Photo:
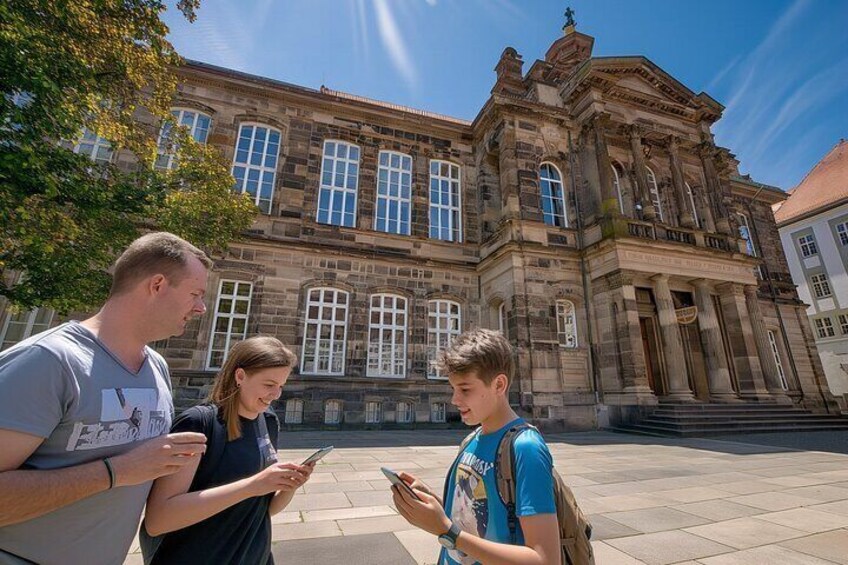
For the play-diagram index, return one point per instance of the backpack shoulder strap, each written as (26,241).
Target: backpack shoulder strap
(462,447)
(216,439)
(505,474)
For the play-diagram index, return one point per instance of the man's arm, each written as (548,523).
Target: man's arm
(27,494)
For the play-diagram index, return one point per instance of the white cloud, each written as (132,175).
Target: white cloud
(394,43)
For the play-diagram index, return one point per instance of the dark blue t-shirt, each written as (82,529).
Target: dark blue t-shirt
(473,502)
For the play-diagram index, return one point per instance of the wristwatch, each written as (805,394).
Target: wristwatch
(448,539)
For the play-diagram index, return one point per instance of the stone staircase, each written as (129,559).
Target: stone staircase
(697,419)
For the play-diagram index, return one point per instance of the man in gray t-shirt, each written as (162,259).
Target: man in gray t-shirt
(85,410)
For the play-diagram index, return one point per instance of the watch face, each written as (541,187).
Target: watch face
(447,542)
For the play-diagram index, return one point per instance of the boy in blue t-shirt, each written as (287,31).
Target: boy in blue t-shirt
(472,522)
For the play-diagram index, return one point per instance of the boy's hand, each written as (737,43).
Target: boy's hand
(415,482)
(426,513)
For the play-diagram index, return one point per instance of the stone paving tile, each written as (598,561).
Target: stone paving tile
(691,494)
(286,518)
(668,547)
(745,487)
(807,520)
(359,526)
(822,493)
(370,498)
(767,555)
(604,528)
(608,555)
(318,501)
(718,510)
(348,513)
(773,501)
(374,549)
(743,533)
(840,507)
(281,532)
(656,519)
(422,546)
(832,546)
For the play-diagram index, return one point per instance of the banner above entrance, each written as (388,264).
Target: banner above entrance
(686,315)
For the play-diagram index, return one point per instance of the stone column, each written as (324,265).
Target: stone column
(740,338)
(609,199)
(706,213)
(675,362)
(687,218)
(707,152)
(641,174)
(721,389)
(769,367)
(634,375)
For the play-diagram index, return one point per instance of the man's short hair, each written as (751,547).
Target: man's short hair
(486,352)
(151,254)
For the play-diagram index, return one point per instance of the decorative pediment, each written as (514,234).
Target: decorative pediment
(638,81)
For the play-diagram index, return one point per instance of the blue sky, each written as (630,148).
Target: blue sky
(779,66)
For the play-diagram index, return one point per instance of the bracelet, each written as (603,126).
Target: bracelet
(108,463)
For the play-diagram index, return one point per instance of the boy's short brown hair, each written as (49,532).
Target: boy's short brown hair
(151,254)
(486,352)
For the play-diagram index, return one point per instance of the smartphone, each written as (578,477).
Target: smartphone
(318,455)
(396,480)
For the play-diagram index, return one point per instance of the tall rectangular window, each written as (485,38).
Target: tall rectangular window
(294,411)
(98,149)
(325,333)
(654,189)
(566,323)
(339,181)
(824,327)
(195,122)
(821,286)
(333,412)
(230,323)
(807,245)
(255,163)
(437,412)
(394,193)
(842,231)
(843,324)
(445,203)
(373,412)
(405,413)
(745,233)
(776,353)
(387,336)
(443,326)
(21,325)
(553,196)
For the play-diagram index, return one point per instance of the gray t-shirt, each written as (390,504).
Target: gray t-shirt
(65,386)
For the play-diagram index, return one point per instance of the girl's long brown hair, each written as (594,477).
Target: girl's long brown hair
(252,354)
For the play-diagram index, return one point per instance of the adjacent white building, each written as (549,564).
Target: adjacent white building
(813,226)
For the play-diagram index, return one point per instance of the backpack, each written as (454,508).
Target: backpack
(216,439)
(575,531)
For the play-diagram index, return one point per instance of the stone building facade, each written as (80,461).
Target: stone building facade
(585,212)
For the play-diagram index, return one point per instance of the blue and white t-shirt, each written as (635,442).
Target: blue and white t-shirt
(472,500)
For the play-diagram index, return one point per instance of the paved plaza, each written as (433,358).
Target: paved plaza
(651,500)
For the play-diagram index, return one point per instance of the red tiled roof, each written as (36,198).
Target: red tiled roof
(825,184)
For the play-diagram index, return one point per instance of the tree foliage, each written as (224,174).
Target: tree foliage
(105,65)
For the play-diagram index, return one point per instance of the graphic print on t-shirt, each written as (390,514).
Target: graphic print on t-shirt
(470,505)
(126,415)
(266,449)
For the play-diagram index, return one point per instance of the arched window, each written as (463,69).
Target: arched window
(339,182)
(325,332)
(616,184)
(443,326)
(655,193)
(255,163)
(195,122)
(566,323)
(394,193)
(553,196)
(387,336)
(692,203)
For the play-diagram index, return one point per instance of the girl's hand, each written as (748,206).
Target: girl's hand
(279,477)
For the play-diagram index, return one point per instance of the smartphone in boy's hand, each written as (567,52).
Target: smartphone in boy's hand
(396,480)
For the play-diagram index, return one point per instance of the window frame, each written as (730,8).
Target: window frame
(552,218)
(294,416)
(320,322)
(563,334)
(338,411)
(409,411)
(807,245)
(842,233)
(820,283)
(692,203)
(824,328)
(232,315)
(454,213)
(654,191)
(241,186)
(438,416)
(433,349)
(29,324)
(179,112)
(402,219)
(374,416)
(97,142)
(334,192)
(393,328)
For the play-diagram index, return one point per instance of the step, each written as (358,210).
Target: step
(762,421)
(719,430)
(742,417)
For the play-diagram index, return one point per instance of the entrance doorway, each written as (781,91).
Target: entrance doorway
(653,357)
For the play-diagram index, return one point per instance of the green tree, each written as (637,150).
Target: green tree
(107,66)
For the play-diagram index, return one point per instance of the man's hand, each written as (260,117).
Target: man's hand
(426,513)
(415,483)
(157,457)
